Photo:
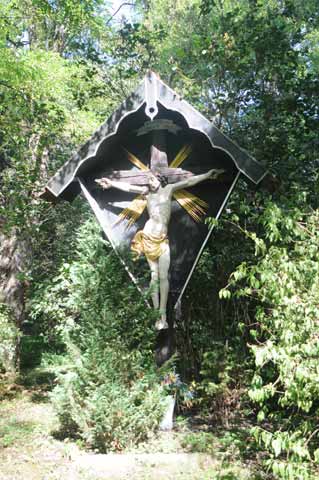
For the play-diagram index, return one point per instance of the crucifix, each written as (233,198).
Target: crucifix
(152,173)
(160,184)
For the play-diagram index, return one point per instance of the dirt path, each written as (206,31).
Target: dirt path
(29,451)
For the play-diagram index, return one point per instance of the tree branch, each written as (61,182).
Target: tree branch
(116,12)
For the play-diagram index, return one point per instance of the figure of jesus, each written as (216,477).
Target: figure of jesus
(152,241)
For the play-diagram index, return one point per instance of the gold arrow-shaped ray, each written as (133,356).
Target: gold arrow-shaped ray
(133,211)
(181,156)
(137,206)
(133,159)
(194,206)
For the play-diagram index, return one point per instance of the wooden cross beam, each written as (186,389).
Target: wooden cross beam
(173,175)
(158,165)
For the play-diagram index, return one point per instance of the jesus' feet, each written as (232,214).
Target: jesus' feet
(161,323)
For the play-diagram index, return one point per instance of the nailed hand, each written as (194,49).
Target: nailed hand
(214,173)
(104,183)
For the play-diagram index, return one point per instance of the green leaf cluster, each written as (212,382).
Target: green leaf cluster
(283,283)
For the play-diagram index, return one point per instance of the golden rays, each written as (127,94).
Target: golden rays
(193,205)
(136,161)
(181,156)
(133,211)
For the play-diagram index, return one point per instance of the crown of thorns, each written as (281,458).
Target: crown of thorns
(162,178)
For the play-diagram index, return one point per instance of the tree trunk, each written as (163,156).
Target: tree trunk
(13,262)
(15,256)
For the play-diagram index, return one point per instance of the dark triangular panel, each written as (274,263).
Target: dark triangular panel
(186,236)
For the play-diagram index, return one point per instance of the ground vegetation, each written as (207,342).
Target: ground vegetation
(248,341)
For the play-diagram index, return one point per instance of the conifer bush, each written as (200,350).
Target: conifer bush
(110,394)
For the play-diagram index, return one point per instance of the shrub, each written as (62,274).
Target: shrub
(111,393)
(283,285)
(109,413)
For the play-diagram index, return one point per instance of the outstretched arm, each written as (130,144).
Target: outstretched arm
(190,182)
(125,187)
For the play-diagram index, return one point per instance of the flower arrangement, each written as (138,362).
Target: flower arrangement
(173,385)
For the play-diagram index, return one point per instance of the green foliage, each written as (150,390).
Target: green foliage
(252,67)
(202,442)
(220,388)
(9,337)
(30,351)
(111,394)
(110,413)
(283,284)
(211,342)
(44,93)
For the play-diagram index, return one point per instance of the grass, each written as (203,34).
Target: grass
(14,431)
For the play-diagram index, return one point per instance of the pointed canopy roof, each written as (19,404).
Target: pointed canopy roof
(150,95)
